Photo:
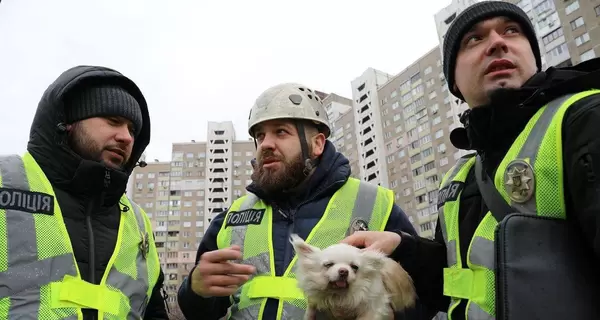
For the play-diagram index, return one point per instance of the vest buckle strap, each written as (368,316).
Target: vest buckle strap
(465,283)
(76,293)
(284,288)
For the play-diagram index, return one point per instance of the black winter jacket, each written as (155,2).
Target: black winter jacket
(304,209)
(90,209)
(490,131)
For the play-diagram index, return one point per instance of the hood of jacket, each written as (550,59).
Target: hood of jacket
(330,174)
(48,142)
(492,128)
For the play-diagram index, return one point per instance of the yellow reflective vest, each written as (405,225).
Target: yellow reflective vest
(39,277)
(530,179)
(248,224)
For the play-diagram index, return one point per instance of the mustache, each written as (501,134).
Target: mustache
(268,155)
(118,150)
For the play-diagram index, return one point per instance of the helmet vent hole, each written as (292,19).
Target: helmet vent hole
(310,96)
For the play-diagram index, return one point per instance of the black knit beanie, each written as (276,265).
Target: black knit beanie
(104,100)
(475,14)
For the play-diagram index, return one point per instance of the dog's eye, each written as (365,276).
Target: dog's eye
(328,265)
(354,267)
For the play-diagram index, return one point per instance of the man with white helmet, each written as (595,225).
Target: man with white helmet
(301,185)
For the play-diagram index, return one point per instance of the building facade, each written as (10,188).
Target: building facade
(183,195)
(417,117)
(343,134)
(368,128)
(567,30)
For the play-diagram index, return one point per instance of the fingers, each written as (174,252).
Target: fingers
(221,291)
(226,280)
(226,268)
(217,256)
(357,239)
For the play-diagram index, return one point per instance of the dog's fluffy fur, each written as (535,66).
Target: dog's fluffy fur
(344,282)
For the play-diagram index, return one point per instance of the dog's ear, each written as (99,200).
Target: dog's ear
(374,259)
(302,248)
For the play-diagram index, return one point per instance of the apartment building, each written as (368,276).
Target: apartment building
(568,30)
(183,195)
(368,127)
(343,134)
(443,19)
(417,117)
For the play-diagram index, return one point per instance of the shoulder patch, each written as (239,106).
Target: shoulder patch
(245,217)
(28,201)
(450,192)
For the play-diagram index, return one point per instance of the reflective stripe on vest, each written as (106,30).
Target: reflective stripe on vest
(539,146)
(355,200)
(39,277)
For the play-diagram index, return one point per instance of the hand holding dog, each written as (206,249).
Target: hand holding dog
(384,241)
(216,276)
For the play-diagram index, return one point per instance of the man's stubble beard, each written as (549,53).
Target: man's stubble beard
(82,144)
(276,181)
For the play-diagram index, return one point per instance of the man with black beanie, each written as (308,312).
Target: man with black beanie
(536,153)
(75,246)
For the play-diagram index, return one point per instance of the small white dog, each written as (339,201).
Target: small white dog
(344,282)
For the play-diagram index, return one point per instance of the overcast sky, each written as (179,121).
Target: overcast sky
(199,61)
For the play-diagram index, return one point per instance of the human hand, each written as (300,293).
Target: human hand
(216,276)
(384,241)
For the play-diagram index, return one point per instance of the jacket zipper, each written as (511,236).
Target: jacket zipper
(587,162)
(91,241)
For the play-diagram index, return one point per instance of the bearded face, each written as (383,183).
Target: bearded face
(275,173)
(106,140)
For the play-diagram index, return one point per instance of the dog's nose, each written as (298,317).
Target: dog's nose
(343,273)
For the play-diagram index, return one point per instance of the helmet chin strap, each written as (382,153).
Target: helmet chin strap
(309,164)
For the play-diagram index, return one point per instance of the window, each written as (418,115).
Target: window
(443,161)
(582,39)
(427,152)
(577,23)
(590,54)
(417,171)
(405,86)
(415,158)
(416,77)
(572,7)
(558,50)
(553,36)
(429,166)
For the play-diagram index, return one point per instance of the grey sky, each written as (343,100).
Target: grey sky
(199,61)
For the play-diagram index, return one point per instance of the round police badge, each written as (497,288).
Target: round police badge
(358,225)
(519,181)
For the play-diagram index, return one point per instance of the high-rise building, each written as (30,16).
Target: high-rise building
(417,117)
(443,19)
(368,128)
(567,30)
(343,134)
(183,195)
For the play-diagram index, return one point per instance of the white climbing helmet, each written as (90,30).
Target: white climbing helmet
(289,101)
